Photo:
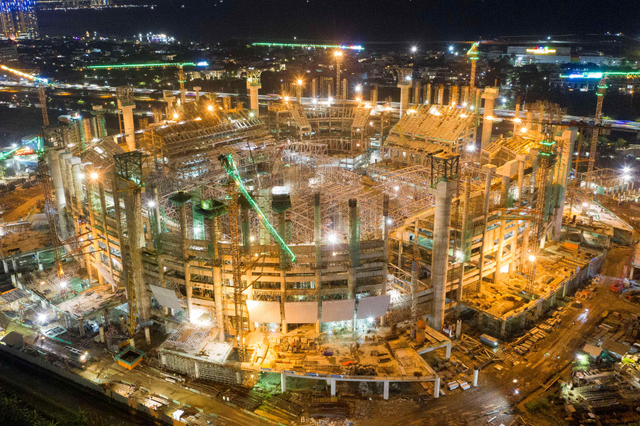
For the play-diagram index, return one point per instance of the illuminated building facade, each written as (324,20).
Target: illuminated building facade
(18,18)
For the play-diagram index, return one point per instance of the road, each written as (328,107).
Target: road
(146,95)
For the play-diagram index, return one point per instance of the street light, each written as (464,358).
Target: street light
(414,49)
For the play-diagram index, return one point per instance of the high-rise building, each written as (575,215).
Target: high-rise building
(18,18)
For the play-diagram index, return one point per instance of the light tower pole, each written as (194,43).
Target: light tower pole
(299,86)
(338,55)
(404,83)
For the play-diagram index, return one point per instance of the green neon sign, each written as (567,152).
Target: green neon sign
(144,65)
(232,171)
(314,46)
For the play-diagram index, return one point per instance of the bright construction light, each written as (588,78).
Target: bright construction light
(358,99)
(414,49)
(14,145)
(523,130)
(151,204)
(359,88)
(94,176)
(407,77)
(175,116)
(82,175)
(626,169)
(396,188)
(286,99)
(252,238)
(517,120)
(42,318)
(299,82)
(389,221)
(532,258)
(370,319)
(314,101)
(464,105)
(504,100)
(490,117)
(450,48)
(471,148)
(584,204)
(210,107)
(337,53)
(332,238)
(63,284)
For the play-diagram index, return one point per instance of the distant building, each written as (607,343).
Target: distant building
(8,54)
(18,19)
(525,55)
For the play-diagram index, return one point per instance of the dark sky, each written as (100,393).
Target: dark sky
(358,20)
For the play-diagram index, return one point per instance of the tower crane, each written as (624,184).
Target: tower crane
(602,87)
(234,187)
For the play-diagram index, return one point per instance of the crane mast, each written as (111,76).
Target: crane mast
(602,87)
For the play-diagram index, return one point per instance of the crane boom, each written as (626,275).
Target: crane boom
(234,175)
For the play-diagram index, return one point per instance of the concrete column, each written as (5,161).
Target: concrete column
(385,237)
(101,329)
(463,244)
(77,181)
(133,211)
(218,285)
(183,228)
(345,89)
(436,388)
(498,274)
(533,154)
(385,391)
(414,293)
(404,98)
(489,170)
(427,94)
(447,354)
(314,88)
(490,95)
(317,237)
(506,183)
(539,309)
(81,325)
(374,95)
(103,206)
(58,189)
(458,328)
(333,387)
(283,382)
(416,93)
(476,373)
(67,180)
(129,129)
(197,90)
(189,288)
(354,245)
(440,94)
(503,329)
(440,254)
(196,369)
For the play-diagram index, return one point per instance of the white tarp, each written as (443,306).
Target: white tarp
(301,312)
(102,270)
(166,297)
(338,310)
(373,307)
(263,311)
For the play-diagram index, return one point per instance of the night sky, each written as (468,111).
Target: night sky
(356,20)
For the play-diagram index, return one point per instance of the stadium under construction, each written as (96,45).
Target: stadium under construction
(318,237)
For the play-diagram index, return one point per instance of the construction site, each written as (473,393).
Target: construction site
(334,240)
